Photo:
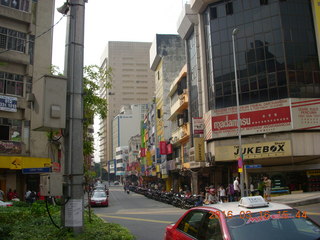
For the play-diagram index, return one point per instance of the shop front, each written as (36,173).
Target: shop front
(291,160)
(22,173)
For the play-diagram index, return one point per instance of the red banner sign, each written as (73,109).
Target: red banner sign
(169,148)
(256,118)
(142,152)
(163,148)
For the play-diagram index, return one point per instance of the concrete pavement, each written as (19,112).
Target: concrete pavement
(298,199)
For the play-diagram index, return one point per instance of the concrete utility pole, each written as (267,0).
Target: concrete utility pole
(234,32)
(72,214)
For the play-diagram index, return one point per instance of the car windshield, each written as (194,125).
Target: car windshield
(274,225)
(99,195)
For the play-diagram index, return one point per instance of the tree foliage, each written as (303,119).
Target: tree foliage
(94,79)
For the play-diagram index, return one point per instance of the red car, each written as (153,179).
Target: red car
(249,219)
(99,198)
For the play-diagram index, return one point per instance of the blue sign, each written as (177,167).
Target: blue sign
(36,170)
(8,104)
(254,166)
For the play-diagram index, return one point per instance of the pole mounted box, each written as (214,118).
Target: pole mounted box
(49,105)
(51,184)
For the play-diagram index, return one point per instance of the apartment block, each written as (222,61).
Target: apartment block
(25,56)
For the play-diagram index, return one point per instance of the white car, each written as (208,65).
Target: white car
(5,204)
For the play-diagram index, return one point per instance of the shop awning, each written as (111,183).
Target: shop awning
(17,162)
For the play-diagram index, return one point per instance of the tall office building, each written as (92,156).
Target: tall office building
(279,88)
(132,83)
(25,56)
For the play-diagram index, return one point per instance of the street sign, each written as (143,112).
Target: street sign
(35,170)
(254,166)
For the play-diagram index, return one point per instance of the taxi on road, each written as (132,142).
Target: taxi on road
(251,218)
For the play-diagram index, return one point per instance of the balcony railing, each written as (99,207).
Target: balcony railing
(181,133)
(180,104)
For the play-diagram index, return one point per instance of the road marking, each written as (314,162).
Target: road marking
(134,219)
(312,213)
(150,213)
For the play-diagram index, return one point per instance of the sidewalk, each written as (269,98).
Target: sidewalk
(298,199)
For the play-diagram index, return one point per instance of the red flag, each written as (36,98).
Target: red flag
(163,148)
(142,152)
(169,148)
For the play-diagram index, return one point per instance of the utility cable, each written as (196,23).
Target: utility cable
(59,227)
(40,35)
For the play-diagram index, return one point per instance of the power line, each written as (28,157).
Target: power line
(40,35)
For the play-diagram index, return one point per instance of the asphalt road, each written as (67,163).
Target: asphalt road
(312,211)
(145,218)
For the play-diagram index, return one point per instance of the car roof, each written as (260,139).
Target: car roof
(236,209)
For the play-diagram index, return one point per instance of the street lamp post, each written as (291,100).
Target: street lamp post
(234,32)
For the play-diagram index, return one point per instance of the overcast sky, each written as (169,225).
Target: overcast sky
(115,20)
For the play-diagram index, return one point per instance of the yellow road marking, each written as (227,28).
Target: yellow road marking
(150,213)
(312,213)
(134,219)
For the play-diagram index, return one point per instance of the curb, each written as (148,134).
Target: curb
(302,202)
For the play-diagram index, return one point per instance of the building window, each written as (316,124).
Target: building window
(213,13)
(229,8)
(12,40)
(11,84)
(22,5)
(263,2)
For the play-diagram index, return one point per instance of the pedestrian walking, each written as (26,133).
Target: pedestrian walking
(230,192)
(2,195)
(9,195)
(261,187)
(236,187)
(222,194)
(267,189)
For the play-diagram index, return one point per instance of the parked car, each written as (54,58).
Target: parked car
(249,219)
(116,183)
(99,198)
(5,204)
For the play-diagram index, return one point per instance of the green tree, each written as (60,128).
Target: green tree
(93,105)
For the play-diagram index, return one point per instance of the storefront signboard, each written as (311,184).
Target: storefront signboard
(199,149)
(254,166)
(254,151)
(256,118)
(8,104)
(305,113)
(198,125)
(16,162)
(10,147)
(264,117)
(35,170)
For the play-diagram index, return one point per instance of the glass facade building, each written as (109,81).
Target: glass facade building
(275,47)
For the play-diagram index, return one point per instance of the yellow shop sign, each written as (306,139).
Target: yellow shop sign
(16,162)
(254,150)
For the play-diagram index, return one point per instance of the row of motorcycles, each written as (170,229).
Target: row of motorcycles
(176,199)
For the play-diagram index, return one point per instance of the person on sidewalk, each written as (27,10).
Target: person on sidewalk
(236,187)
(1,195)
(267,189)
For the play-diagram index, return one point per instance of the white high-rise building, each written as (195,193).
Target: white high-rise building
(132,83)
